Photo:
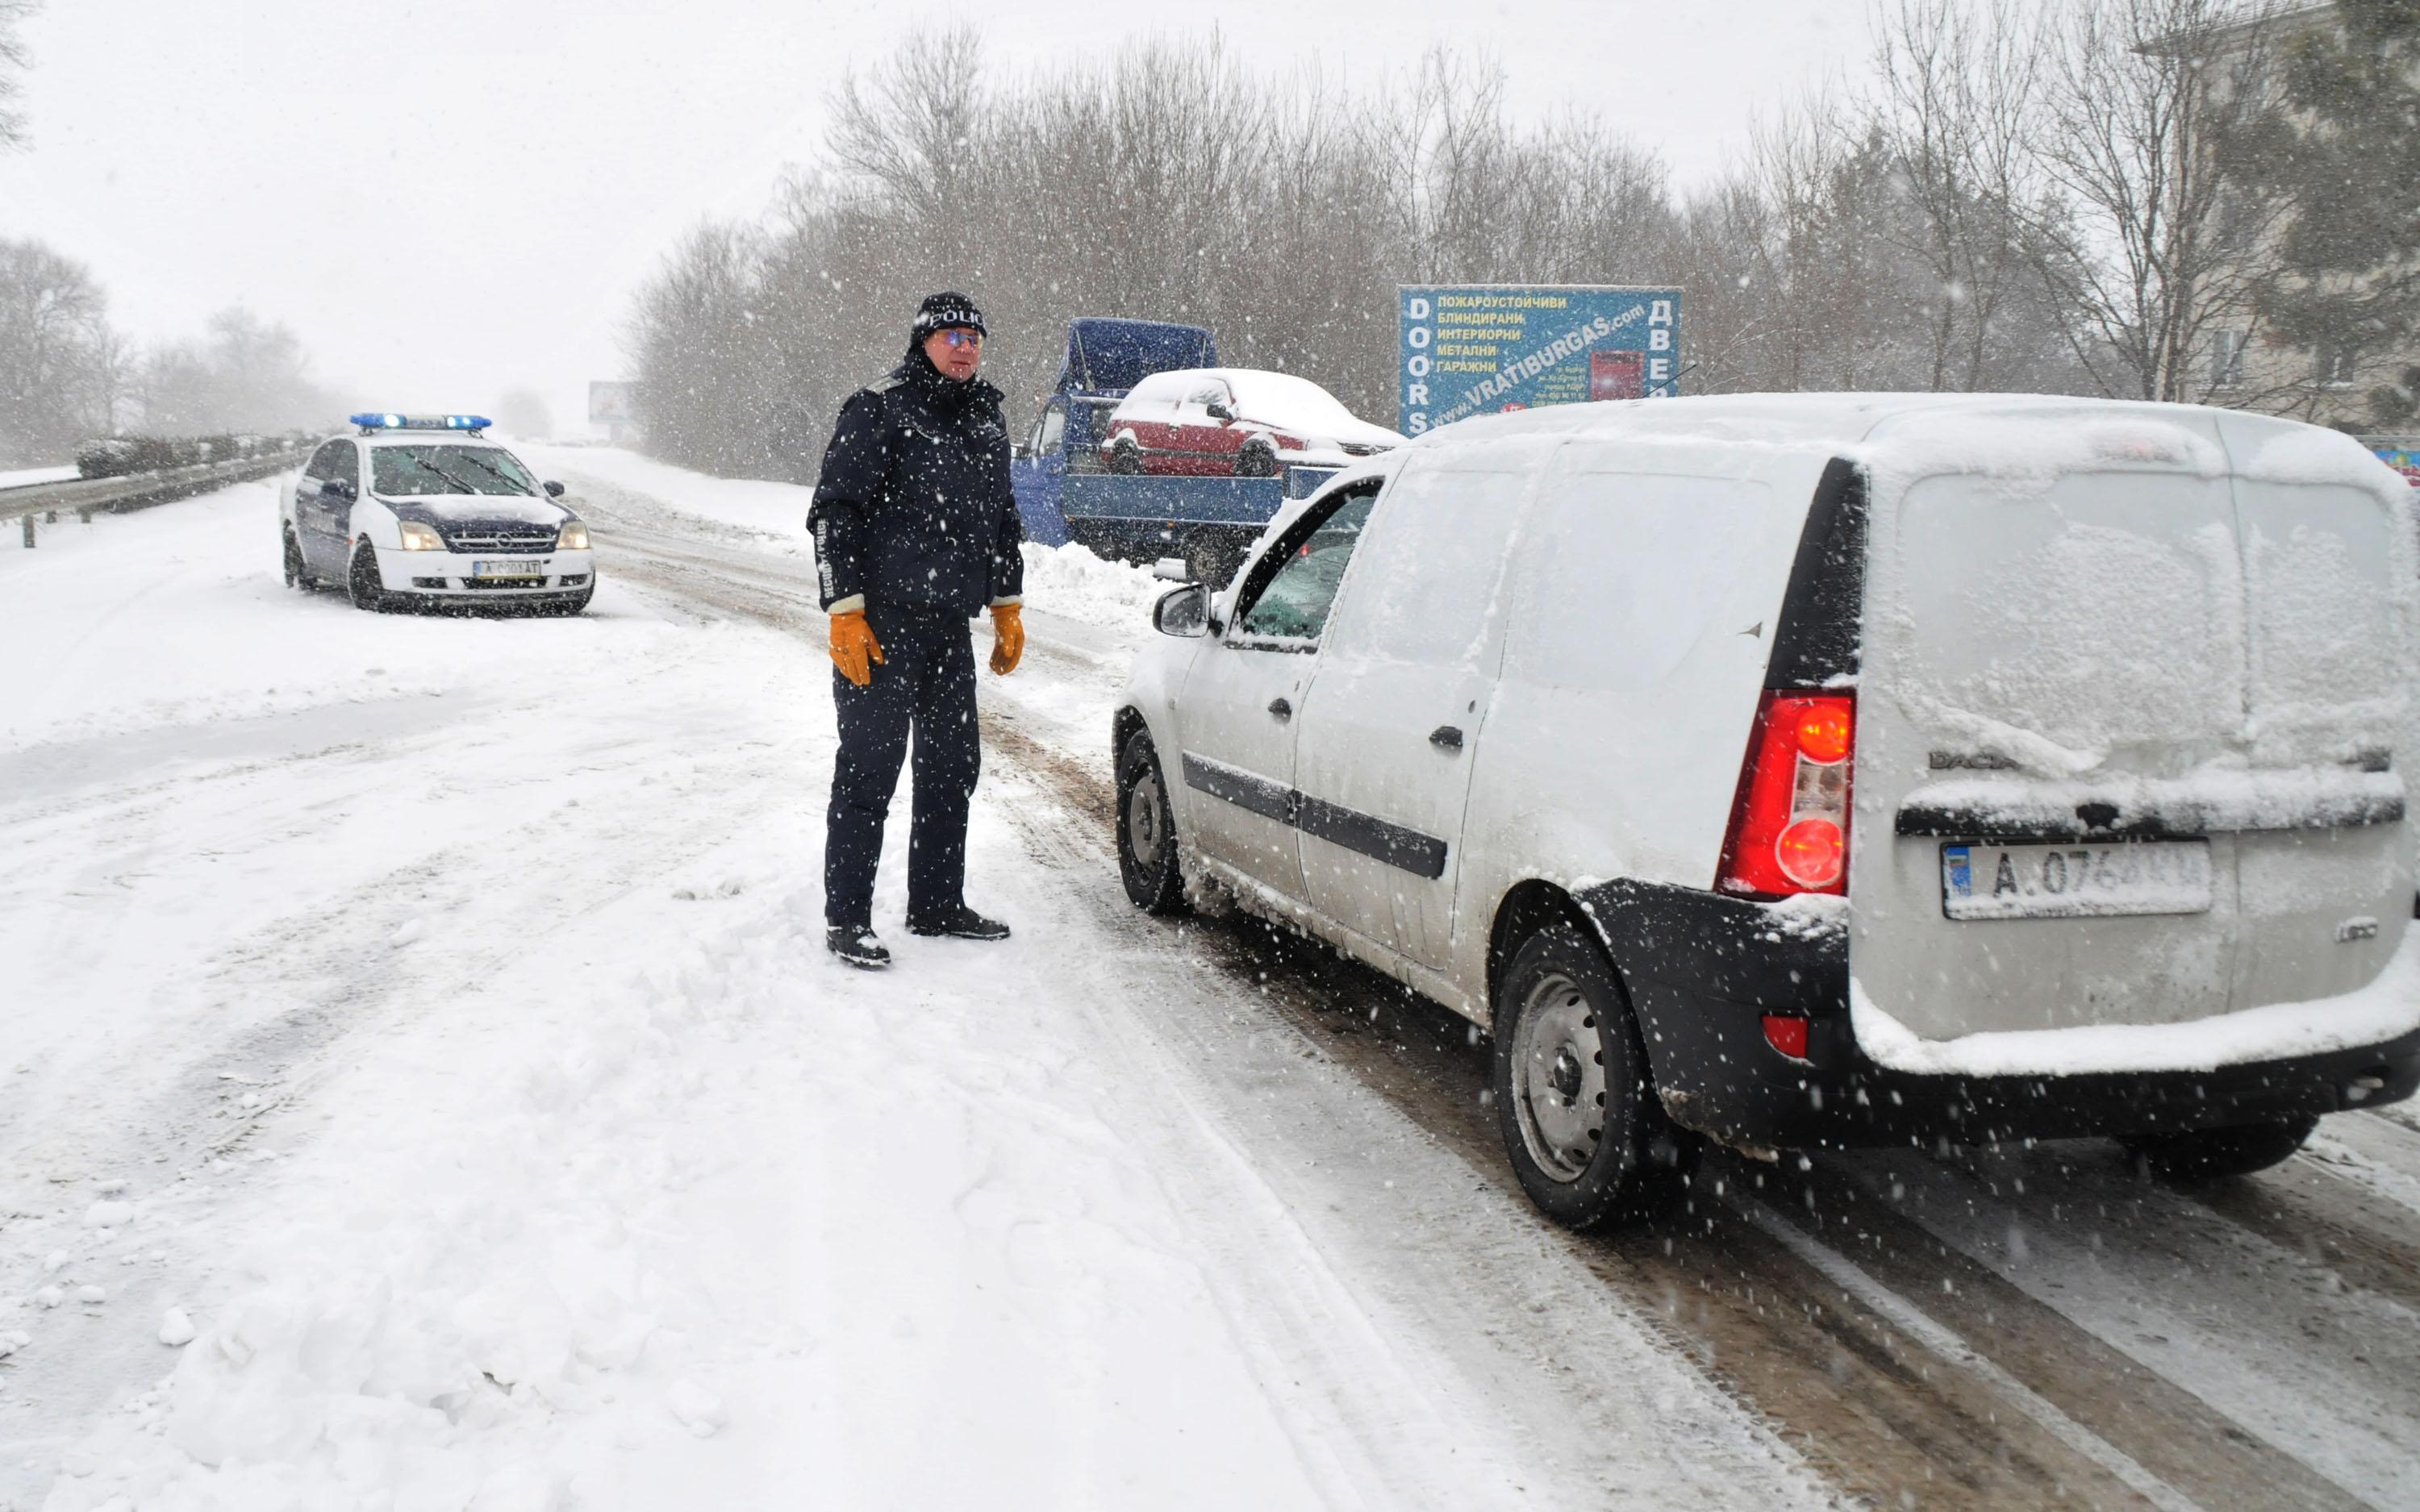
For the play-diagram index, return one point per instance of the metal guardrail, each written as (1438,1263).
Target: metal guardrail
(88,497)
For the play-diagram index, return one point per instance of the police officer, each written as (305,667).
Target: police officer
(915,531)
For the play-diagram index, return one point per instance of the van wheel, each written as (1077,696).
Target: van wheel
(2212,1155)
(1126,456)
(361,583)
(1256,458)
(298,573)
(1147,831)
(1580,1120)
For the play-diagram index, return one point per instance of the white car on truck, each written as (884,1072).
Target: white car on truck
(1808,771)
(424,510)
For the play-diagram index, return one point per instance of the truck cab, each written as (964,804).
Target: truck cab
(1106,358)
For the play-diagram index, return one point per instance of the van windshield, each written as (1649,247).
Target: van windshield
(1294,606)
(436,468)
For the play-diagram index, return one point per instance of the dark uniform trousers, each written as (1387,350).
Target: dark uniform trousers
(926,680)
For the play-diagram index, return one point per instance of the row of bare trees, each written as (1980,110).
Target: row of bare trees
(67,374)
(2016,198)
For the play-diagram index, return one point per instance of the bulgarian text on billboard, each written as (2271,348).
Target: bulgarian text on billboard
(1482,349)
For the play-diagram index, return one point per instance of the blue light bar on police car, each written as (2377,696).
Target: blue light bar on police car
(383,422)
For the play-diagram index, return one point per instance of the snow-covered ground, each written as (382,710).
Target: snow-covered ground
(23,477)
(425,1088)
(422,1086)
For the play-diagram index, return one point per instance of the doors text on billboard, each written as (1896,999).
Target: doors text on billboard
(1481,348)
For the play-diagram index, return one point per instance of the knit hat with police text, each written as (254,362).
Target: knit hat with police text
(940,312)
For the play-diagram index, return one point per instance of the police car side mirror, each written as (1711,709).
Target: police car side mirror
(553,489)
(1183,612)
(343,488)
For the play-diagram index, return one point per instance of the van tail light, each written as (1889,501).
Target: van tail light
(1789,826)
(1787,1033)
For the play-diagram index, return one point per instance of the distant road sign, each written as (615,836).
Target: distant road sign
(1479,348)
(612,403)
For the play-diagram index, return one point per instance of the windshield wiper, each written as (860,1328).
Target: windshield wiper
(498,476)
(459,486)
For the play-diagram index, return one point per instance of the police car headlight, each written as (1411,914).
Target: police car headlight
(574,537)
(420,537)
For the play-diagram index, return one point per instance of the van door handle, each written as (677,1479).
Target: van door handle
(1281,708)
(1446,737)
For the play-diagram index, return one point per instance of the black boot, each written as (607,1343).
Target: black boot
(963,923)
(857,945)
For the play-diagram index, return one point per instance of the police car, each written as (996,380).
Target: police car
(423,509)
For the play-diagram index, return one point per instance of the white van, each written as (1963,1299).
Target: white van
(1821,770)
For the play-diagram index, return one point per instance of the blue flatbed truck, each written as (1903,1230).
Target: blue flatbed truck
(1065,492)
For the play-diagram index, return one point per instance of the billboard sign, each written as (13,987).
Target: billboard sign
(2401,452)
(1482,349)
(612,403)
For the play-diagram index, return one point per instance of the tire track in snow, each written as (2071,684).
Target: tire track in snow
(274,1007)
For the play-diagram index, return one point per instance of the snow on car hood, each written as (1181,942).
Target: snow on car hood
(465,509)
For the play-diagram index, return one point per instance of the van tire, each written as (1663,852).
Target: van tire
(1147,860)
(362,582)
(1564,1040)
(2215,1154)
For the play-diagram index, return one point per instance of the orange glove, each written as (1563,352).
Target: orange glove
(1008,638)
(852,644)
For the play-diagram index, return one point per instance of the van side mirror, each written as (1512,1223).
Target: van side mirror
(1183,612)
(553,489)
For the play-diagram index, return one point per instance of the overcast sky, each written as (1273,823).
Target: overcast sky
(449,198)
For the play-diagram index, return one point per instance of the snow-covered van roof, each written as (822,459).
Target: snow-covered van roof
(1912,434)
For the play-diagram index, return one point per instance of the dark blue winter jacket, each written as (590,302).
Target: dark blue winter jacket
(914,506)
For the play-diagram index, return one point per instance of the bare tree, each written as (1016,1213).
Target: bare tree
(246,375)
(14,60)
(59,361)
(1174,180)
(2167,249)
(1956,107)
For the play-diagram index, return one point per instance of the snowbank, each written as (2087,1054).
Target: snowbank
(2387,1007)
(23,477)
(1069,581)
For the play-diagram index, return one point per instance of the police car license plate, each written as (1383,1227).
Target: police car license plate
(516,567)
(2075,881)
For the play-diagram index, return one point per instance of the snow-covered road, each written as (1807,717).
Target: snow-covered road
(431,1014)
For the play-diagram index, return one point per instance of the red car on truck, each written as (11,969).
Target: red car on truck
(1234,422)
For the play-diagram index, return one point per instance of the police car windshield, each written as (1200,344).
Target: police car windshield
(442,468)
